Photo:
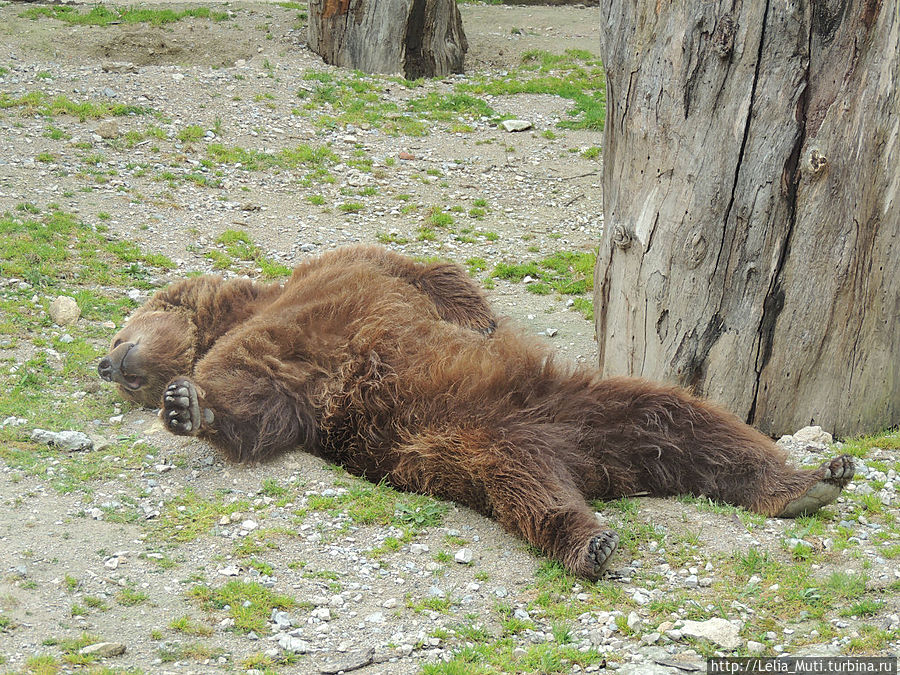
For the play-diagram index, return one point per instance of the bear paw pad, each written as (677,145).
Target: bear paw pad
(181,408)
(834,475)
(600,548)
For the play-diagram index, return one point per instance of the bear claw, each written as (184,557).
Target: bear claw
(835,474)
(600,549)
(181,408)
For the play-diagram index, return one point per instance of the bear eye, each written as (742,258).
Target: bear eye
(116,343)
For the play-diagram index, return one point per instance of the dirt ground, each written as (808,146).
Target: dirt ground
(238,80)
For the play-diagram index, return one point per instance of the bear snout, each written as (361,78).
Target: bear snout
(105,369)
(111,367)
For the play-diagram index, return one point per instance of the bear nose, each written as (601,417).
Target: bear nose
(105,369)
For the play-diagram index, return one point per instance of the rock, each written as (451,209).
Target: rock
(322,613)
(108,129)
(522,615)
(551,332)
(345,663)
(719,631)
(375,617)
(640,596)
(633,621)
(281,619)
(755,648)
(463,556)
(813,434)
(418,548)
(70,441)
(406,155)
(515,125)
(103,650)
(118,67)
(64,310)
(290,643)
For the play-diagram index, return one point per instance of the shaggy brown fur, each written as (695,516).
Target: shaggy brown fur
(399,371)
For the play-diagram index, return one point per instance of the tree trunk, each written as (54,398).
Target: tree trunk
(413,38)
(751,184)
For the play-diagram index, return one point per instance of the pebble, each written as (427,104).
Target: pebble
(463,556)
(720,632)
(64,310)
(375,617)
(516,125)
(103,650)
(70,441)
(290,643)
(755,648)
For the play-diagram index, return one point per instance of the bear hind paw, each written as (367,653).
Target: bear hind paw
(834,475)
(600,549)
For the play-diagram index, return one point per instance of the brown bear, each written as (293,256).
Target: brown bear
(400,371)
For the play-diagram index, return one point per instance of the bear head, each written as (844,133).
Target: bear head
(153,348)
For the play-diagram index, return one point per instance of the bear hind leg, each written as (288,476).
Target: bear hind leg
(530,494)
(824,486)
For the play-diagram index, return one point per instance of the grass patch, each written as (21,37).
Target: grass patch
(356,100)
(257,160)
(250,604)
(102,15)
(239,246)
(566,273)
(379,504)
(575,75)
(187,517)
(38,103)
(189,626)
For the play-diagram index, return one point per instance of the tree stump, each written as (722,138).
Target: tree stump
(415,38)
(751,248)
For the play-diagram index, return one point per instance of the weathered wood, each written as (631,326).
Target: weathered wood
(752,226)
(414,38)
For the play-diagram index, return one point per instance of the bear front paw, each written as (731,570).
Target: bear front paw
(181,411)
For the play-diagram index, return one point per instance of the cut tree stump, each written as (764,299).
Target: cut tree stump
(413,38)
(751,248)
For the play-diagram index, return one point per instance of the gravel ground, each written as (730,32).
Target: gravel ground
(120,562)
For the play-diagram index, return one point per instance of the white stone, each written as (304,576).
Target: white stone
(64,310)
(108,129)
(719,631)
(293,644)
(516,125)
(813,434)
(463,556)
(104,650)
(322,613)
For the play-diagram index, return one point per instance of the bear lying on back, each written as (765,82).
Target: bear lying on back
(400,371)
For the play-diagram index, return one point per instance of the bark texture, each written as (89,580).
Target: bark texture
(751,187)
(415,38)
